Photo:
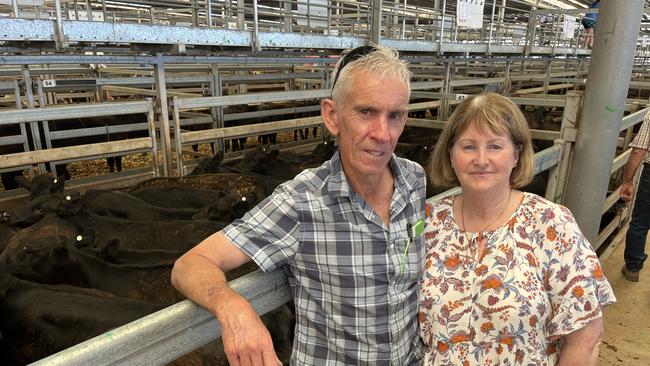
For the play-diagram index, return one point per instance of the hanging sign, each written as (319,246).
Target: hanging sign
(568,27)
(469,13)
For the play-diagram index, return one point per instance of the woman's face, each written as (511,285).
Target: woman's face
(483,160)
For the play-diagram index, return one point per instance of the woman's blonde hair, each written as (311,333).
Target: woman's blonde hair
(486,111)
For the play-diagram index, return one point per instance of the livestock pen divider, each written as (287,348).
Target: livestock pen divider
(81,152)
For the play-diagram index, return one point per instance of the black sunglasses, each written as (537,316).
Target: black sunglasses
(352,56)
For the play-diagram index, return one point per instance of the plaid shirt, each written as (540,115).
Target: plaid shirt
(642,139)
(355,303)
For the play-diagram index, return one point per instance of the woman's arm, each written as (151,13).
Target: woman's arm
(581,346)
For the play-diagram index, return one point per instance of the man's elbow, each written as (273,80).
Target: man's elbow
(180,267)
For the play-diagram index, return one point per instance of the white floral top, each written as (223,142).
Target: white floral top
(539,279)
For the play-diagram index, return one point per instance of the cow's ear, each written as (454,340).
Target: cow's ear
(23,182)
(274,153)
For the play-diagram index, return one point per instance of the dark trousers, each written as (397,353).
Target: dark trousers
(639,224)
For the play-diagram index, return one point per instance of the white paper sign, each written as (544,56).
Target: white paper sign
(568,27)
(469,13)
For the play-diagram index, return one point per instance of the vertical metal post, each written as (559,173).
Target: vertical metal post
(59,37)
(36,137)
(602,112)
(255,44)
(104,10)
(216,112)
(404,21)
(442,26)
(444,103)
(241,21)
(548,75)
(375,30)
(288,23)
(557,179)
(89,10)
(494,4)
(163,113)
(505,90)
(23,130)
(530,34)
(14,3)
(208,14)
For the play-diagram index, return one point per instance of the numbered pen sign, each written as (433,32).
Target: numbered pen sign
(49,83)
(461,96)
(469,13)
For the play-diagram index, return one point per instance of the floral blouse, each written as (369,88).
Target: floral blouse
(538,279)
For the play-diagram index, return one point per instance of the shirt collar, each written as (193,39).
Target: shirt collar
(338,185)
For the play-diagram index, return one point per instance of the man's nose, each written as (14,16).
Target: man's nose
(379,129)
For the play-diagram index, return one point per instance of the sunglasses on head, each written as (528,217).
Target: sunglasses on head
(352,56)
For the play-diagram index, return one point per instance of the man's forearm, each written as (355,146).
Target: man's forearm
(202,282)
(633,164)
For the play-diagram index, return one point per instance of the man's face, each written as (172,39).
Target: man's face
(369,122)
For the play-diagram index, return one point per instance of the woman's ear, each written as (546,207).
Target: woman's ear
(328,112)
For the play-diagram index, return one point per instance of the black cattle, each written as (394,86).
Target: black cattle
(272,163)
(177,197)
(241,183)
(38,320)
(125,206)
(177,235)
(112,252)
(47,253)
(213,165)
(6,233)
(34,210)
(41,184)
(321,153)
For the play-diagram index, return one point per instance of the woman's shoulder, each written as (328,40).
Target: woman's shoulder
(439,209)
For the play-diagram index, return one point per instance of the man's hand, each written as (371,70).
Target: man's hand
(246,340)
(627,192)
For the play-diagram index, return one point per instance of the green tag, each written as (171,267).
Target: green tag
(417,229)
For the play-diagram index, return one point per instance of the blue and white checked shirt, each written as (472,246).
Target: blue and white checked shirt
(355,305)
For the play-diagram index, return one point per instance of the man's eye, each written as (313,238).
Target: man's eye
(397,116)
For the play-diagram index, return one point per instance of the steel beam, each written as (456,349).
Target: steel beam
(602,112)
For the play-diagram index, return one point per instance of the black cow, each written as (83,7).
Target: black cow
(272,163)
(180,235)
(213,165)
(38,320)
(41,184)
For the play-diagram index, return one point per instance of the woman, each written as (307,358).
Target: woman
(509,277)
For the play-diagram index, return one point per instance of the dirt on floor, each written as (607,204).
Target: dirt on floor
(627,322)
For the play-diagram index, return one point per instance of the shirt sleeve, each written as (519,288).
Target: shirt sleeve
(269,233)
(573,277)
(642,138)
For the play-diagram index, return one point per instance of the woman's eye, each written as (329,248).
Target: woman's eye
(468,147)
(495,147)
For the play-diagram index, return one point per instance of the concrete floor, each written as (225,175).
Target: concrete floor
(627,322)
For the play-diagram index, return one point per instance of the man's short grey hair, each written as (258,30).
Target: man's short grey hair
(381,62)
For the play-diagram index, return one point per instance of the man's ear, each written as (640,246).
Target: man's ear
(328,112)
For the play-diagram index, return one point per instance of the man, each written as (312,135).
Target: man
(342,231)
(640,222)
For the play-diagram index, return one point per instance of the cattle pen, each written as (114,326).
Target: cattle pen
(84,82)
